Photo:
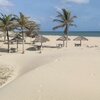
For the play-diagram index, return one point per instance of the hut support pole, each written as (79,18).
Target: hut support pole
(80,42)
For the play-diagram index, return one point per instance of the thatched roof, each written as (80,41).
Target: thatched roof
(16,38)
(40,38)
(63,38)
(80,38)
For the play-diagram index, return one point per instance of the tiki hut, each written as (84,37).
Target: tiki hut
(16,39)
(41,39)
(80,38)
(63,38)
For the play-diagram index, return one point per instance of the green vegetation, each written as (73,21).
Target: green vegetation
(20,23)
(6,25)
(65,20)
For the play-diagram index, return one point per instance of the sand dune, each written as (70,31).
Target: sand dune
(56,74)
(22,66)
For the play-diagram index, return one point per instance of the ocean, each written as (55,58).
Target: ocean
(73,33)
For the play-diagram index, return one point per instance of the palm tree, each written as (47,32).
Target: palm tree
(65,19)
(6,24)
(22,22)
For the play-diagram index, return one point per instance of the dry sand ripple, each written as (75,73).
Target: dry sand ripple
(7,74)
(23,64)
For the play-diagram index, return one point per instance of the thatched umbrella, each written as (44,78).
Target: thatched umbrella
(41,39)
(63,38)
(80,38)
(16,39)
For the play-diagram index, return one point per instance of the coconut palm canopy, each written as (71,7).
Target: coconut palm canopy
(40,38)
(24,24)
(14,22)
(64,19)
(63,38)
(31,34)
(6,24)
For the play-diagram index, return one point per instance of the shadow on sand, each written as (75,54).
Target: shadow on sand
(31,49)
(3,50)
(49,46)
(35,49)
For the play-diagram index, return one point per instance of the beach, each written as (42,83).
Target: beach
(65,73)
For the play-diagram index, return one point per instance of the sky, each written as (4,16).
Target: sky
(44,11)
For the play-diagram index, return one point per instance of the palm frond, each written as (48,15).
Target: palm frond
(73,25)
(59,26)
(66,13)
(60,15)
(72,18)
(58,20)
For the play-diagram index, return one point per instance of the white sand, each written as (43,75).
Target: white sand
(71,73)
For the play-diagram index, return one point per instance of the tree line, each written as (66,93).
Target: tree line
(23,23)
(19,23)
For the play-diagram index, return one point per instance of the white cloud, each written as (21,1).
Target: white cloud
(5,3)
(79,1)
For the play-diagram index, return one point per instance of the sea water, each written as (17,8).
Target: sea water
(73,33)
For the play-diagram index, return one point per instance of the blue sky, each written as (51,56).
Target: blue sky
(43,11)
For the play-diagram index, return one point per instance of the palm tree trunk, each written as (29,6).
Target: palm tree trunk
(8,40)
(67,41)
(63,43)
(23,35)
(66,33)
(80,42)
(17,45)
